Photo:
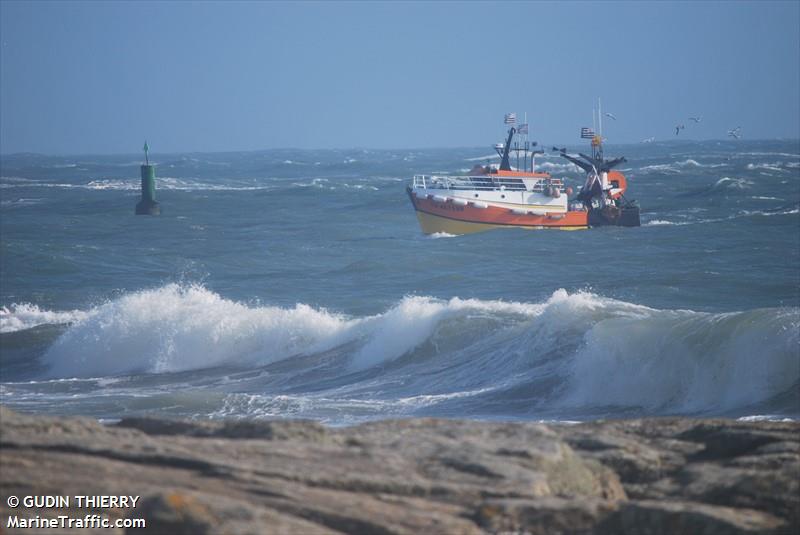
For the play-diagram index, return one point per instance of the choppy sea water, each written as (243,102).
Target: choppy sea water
(292,283)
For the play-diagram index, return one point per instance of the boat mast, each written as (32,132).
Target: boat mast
(597,140)
(600,116)
(525,145)
(505,165)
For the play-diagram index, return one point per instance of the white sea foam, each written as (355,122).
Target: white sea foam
(675,167)
(189,184)
(113,184)
(17,180)
(764,418)
(665,168)
(240,405)
(359,186)
(661,222)
(324,183)
(555,167)
(437,235)
(313,183)
(425,400)
(737,215)
(177,328)
(784,154)
(764,213)
(775,167)
(22,316)
(166,183)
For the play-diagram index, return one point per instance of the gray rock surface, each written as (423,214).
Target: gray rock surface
(416,476)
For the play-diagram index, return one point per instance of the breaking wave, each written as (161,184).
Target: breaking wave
(23,316)
(722,186)
(727,183)
(574,351)
(177,328)
(688,361)
(675,167)
(554,167)
(775,167)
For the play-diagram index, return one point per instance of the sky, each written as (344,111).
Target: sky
(101,77)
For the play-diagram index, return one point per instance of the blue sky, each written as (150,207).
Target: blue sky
(100,77)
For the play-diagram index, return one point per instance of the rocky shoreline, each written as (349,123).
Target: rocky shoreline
(415,476)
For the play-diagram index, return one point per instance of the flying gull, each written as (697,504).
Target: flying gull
(678,128)
(696,119)
(611,115)
(736,132)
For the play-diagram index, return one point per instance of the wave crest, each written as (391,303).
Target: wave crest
(687,361)
(177,328)
(574,351)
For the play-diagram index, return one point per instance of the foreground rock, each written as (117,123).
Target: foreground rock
(412,476)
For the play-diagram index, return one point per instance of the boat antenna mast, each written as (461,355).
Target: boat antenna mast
(597,140)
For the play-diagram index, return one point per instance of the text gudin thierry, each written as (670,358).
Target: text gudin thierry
(94,502)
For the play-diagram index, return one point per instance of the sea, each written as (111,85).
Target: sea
(298,284)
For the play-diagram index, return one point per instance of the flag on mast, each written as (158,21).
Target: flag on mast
(587,133)
(523,128)
(511,118)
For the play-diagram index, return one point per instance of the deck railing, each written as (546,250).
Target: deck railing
(481,182)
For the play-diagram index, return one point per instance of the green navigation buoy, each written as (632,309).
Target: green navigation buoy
(148,204)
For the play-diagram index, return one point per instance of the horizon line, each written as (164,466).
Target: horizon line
(636,143)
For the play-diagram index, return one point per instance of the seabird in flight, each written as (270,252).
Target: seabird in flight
(678,128)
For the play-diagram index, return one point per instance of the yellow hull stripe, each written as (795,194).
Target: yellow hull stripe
(432,224)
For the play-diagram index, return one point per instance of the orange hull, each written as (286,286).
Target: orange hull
(438,216)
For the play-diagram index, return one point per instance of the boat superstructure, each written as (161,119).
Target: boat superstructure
(459,205)
(500,196)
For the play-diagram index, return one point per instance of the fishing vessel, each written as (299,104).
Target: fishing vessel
(499,196)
